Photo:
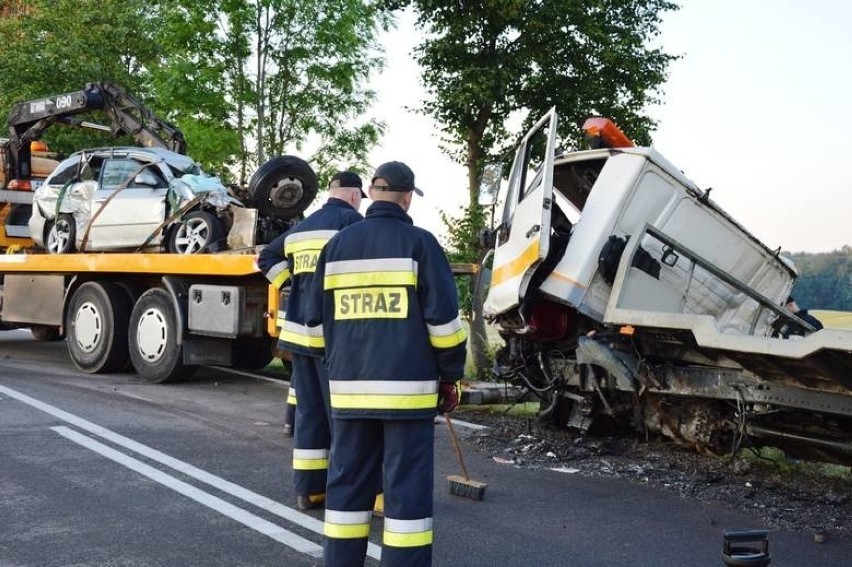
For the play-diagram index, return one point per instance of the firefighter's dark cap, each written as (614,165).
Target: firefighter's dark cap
(347,179)
(398,175)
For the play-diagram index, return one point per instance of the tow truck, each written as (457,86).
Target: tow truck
(627,299)
(163,314)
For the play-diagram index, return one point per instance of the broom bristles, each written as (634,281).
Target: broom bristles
(460,486)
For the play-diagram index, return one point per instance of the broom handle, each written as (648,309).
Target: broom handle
(455,442)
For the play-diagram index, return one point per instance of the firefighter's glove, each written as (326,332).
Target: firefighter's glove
(448,396)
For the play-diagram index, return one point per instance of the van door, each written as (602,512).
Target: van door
(523,236)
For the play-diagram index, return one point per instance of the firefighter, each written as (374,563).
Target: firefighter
(293,255)
(386,301)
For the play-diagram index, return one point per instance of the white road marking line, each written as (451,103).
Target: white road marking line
(278,382)
(244,517)
(307,522)
(460,423)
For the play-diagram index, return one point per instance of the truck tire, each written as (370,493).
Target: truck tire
(154,350)
(283,187)
(197,233)
(252,353)
(96,327)
(60,236)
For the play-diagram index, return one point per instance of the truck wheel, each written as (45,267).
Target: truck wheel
(198,232)
(46,333)
(96,325)
(252,353)
(283,187)
(60,235)
(154,351)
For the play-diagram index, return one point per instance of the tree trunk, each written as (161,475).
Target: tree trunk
(478,339)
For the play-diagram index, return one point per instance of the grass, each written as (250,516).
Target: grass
(770,456)
(525,409)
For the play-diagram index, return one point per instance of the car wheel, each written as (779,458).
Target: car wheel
(283,187)
(198,232)
(60,235)
(154,349)
(96,323)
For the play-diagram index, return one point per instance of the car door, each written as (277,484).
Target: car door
(526,217)
(125,211)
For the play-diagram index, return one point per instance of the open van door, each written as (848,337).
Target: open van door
(523,237)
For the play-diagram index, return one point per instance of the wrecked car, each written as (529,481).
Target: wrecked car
(130,198)
(627,299)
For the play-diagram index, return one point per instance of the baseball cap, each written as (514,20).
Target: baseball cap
(348,179)
(398,175)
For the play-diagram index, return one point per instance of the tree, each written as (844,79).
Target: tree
(242,79)
(486,61)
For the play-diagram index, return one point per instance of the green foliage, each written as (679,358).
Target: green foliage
(242,79)
(486,61)
(460,243)
(825,280)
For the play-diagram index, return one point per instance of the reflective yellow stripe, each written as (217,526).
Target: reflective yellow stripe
(310,459)
(302,335)
(347,525)
(291,396)
(336,281)
(305,245)
(353,531)
(383,394)
(310,464)
(408,533)
(516,266)
(279,273)
(281,279)
(383,401)
(447,335)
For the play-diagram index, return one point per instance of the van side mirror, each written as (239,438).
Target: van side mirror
(489,184)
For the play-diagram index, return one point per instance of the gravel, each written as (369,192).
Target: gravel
(786,494)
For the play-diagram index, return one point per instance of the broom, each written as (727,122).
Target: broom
(463,486)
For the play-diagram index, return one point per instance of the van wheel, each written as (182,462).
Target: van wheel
(60,235)
(154,349)
(96,325)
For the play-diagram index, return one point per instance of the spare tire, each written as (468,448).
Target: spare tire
(283,187)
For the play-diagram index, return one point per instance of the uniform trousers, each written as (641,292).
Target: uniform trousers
(360,449)
(312,438)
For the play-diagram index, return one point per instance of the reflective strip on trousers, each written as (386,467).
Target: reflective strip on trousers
(310,459)
(347,525)
(302,335)
(291,396)
(379,271)
(383,394)
(408,533)
(447,335)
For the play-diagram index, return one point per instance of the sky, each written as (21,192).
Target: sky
(757,107)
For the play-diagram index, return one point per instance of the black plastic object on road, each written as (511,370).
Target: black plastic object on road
(746,548)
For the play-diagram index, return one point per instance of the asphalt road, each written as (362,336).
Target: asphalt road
(111,470)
